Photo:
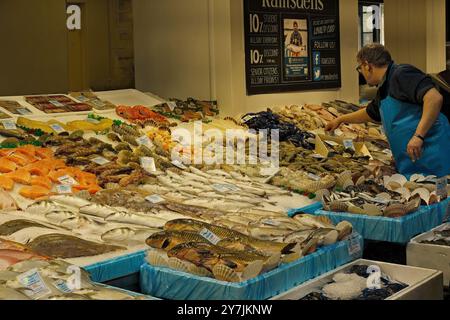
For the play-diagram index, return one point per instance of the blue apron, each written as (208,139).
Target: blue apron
(400,122)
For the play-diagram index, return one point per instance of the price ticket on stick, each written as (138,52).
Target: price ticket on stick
(354,246)
(57,128)
(145,141)
(348,144)
(9,125)
(155,199)
(148,164)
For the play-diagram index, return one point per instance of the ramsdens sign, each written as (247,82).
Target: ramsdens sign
(294,4)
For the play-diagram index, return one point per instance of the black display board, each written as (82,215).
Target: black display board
(292,45)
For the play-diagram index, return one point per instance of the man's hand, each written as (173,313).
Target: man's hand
(333,125)
(414,148)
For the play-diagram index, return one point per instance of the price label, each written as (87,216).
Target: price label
(348,144)
(179,164)
(172,105)
(36,287)
(56,103)
(248,118)
(441,188)
(67,180)
(210,236)
(92,120)
(100,160)
(354,246)
(148,164)
(82,98)
(317,156)
(9,125)
(155,199)
(314,177)
(98,103)
(57,128)
(64,189)
(61,285)
(145,141)
(338,132)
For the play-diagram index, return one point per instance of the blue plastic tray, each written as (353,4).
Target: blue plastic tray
(311,209)
(396,230)
(116,268)
(170,284)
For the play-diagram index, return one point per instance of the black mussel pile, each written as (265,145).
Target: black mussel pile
(387,288)
(288,131)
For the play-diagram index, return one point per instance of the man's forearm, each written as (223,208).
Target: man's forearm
(431,109)
(360,116)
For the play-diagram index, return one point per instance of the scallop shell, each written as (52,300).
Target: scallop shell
(360,181)
(356,210)
(424,194)
(396,210)
(411,185)
(429,187)
(433,199)
(406,194)
(343,178)
(330,238)
(347,184)
(252,270)
(399,178)
(393,185)
(199,271)
(372,210)
(321,193)
(344,228)
(337,206)
(156,258)
(223,273)
(417,177)
(384,196)
(414,203)
(177,264)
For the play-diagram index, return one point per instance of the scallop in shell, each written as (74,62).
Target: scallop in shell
(411,185)
(157,258)
(424,194)
(384,196)
(199,271)
(360,180)
(223,273)
(338,206)
(406,194)
(344,228)
(417,177)
(372,210)
(413,203)
(396,210)
(343,178)
(347,184)
(321,193)
(252,270)
(177,264)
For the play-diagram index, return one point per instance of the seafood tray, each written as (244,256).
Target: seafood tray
(423,284)
(57,104)
(116,268)
(430,255)
(396,230)
(170,284)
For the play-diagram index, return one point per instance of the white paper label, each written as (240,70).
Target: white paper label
(94,121)
(211,237)
(172,105)
(56,103)
(354,247)
(9,125)
(82,98)
(61,285)
(100,160)
(67,180)
(155,199)
(441,188)
(338,132)
(179,164)
(32,280)
(248,118)
(314,177)
(57,128)
(98,103)
(148,164)
(348,144)
(145,141)
(64,189)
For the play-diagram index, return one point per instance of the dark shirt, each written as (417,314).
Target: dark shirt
(405,83)
(296,38)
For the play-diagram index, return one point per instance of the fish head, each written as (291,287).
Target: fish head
(161,240)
